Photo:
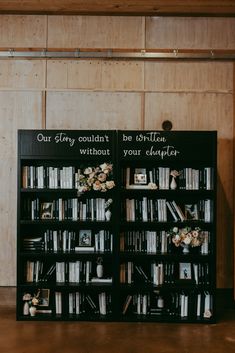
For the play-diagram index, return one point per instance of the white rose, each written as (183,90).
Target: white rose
(88,171)
(110,184)
(187,240)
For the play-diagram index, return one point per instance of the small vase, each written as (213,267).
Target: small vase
(173,184)
(26,308)
(160,302)
(185,249)
(108,215)
(32,310)
(99,271)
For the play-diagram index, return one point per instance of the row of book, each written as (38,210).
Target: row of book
(186,178)
(41,177)
(65,272)
(180,305)
(156,273)
(155,242)
(134,273)
(163,210)
(151,242)
(83,303)
(70,241)
(65,209)
(160,273)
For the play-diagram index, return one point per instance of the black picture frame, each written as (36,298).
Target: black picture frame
(85,237)
(44,297)
(185,271)
(140,176)
(47,210)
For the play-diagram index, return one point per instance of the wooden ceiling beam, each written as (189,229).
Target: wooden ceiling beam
(120,7)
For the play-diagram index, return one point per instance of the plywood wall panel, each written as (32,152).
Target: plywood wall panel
(124,75)
(17,110)
(188,76)
(95,75)
(93,110)
(95,32)
(190,32)
(23,31)
(25,74)
(205,112)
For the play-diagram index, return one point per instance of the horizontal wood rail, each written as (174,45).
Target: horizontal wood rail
(141,54)
(120,7)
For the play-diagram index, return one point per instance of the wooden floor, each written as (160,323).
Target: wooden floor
(86,337)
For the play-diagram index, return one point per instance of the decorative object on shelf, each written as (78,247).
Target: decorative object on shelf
(31,302)
(32,310)
(185,248)
(108,213)
(160,302)
(99,267)
(186,237)
(174,173)
(26,298)
(95,178)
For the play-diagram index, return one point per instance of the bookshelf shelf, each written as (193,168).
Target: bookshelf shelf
(156,186)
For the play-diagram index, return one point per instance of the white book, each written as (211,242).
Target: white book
(71,303)
(60,209)
(154,242)
(195,270)
(58,303)
(101,280)
(31,176)
(182,305)
(77,271)
(144,305)
(205,244)
(77,300)
(127,177)
(102,303)
(138,304)
(161,273)
(88,271)
(199,305)
(101,235)
(167,178)
(144,209)
(55,247)
(186,306)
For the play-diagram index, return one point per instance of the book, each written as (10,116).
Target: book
(101,280)
(127,304)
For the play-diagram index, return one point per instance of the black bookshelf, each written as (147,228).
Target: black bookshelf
(115,252)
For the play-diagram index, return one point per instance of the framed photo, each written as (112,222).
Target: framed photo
(185,272)
(44,297)
(191,212)
(47,210)
(84,238)
(140,176)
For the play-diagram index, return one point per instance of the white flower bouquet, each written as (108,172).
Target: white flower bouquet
(95,178)
(186,237)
